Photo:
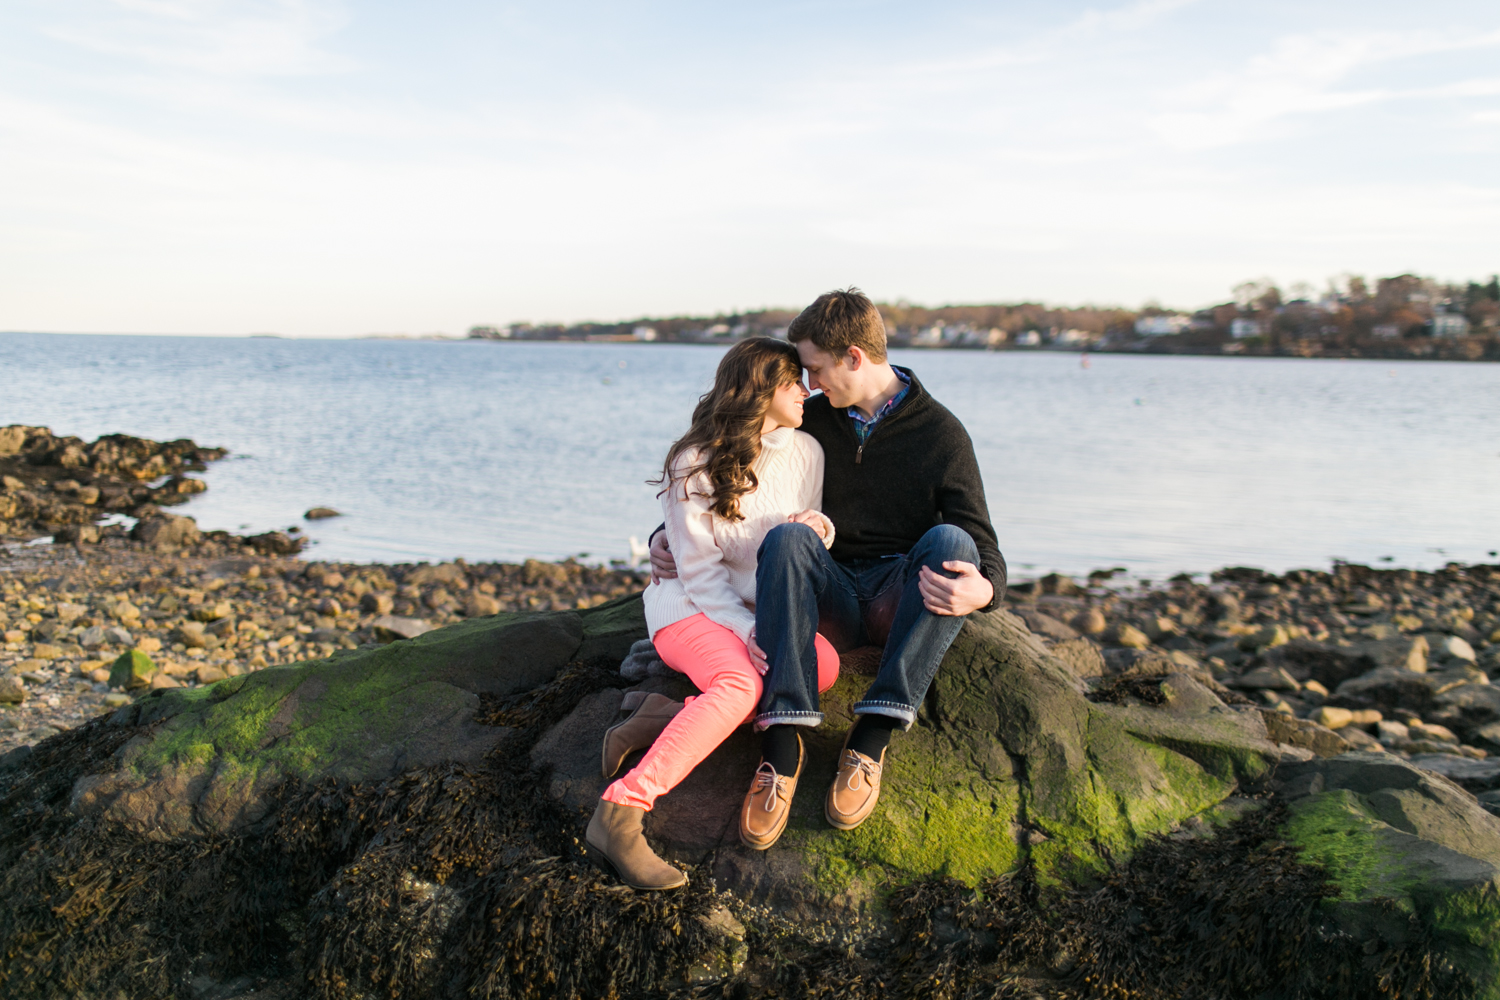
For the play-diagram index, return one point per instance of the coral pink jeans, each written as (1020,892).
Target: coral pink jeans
(716,661)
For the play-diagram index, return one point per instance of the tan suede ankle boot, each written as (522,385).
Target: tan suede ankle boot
(616,833)
(650,716)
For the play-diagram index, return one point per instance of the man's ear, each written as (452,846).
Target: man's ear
(854,358)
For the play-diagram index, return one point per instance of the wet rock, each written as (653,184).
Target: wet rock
(321,513)
(479,605)
(131,670)
(1090,622)
(1303,733)
(1268,678)
(1081,656)
(390,628)
(1451,647)
(1045,625)
(1398,839)
(76,534)
(275,543)
(12,691)
(1338,718)
(374,603)
(165,533)
(358,716)
(1131,637)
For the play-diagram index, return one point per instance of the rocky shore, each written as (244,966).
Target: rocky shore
(69,612)
(1394,661)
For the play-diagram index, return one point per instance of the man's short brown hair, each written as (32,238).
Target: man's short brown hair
(839,320)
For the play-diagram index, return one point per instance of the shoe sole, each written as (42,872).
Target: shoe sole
(846,824)
(603,862)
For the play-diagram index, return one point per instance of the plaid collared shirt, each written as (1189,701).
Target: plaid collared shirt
(863,426)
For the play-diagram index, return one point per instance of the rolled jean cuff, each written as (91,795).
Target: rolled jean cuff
(788,719)
(890,708)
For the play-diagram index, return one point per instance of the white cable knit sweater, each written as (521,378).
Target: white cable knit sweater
(715,557)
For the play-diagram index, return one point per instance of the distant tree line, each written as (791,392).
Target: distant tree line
(1405,316)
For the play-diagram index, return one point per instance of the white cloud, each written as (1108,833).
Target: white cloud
(212,37)
(1302,75)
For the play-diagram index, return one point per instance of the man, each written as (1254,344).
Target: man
(914,553)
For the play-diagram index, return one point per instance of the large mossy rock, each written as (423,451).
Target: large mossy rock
(1408,849)
(213,756)
(1008,760)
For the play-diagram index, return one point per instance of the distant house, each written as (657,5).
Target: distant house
(930,337)
(1246,326)
(717,330)
(1386,330)
(644,333)
(996,337)
(1449,325)
(1163,325)
(487,333)
(1028,338)
(1075,338)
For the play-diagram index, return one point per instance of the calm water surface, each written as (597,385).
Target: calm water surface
(504,451)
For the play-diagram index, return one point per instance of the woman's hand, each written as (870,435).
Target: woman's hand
(813,519)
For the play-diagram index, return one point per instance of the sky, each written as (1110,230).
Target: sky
(328,169)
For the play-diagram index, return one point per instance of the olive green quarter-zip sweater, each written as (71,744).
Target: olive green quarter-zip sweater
(917,469)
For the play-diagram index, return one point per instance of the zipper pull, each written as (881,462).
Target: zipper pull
(859,454)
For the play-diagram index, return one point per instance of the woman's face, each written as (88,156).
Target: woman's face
(786,406)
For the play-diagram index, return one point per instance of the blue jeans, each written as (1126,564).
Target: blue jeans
(801,590)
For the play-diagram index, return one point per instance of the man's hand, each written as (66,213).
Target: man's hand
(812,519)
(959,595)
(663,565)
(757,655)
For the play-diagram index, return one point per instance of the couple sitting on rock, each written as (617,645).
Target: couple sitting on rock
(866,527)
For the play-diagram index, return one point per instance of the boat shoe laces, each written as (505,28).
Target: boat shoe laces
(767,778)
(862,770)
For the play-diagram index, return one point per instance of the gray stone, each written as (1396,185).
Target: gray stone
(1045,625)
(1450,647)
(389,628)
(165,532)
(1471,774)
(1082,657)
(1267,678)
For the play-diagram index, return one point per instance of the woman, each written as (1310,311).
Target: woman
(741,469)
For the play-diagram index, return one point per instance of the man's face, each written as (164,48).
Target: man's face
(824,371)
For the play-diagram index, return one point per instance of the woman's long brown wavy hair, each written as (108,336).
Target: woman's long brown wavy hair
(728,418)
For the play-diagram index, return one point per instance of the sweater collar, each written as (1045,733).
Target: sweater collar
(777,439)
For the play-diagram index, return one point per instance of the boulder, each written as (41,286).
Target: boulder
(1400,842)
(165,532)
(215,756)
(321,513)
(1008,762)
(1331,665)
(1045,625)
(1081,656)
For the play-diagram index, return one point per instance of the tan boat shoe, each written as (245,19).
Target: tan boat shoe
(855,789)
(650,716)
(768,804)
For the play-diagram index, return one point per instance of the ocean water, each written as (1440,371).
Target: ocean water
(510,450)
